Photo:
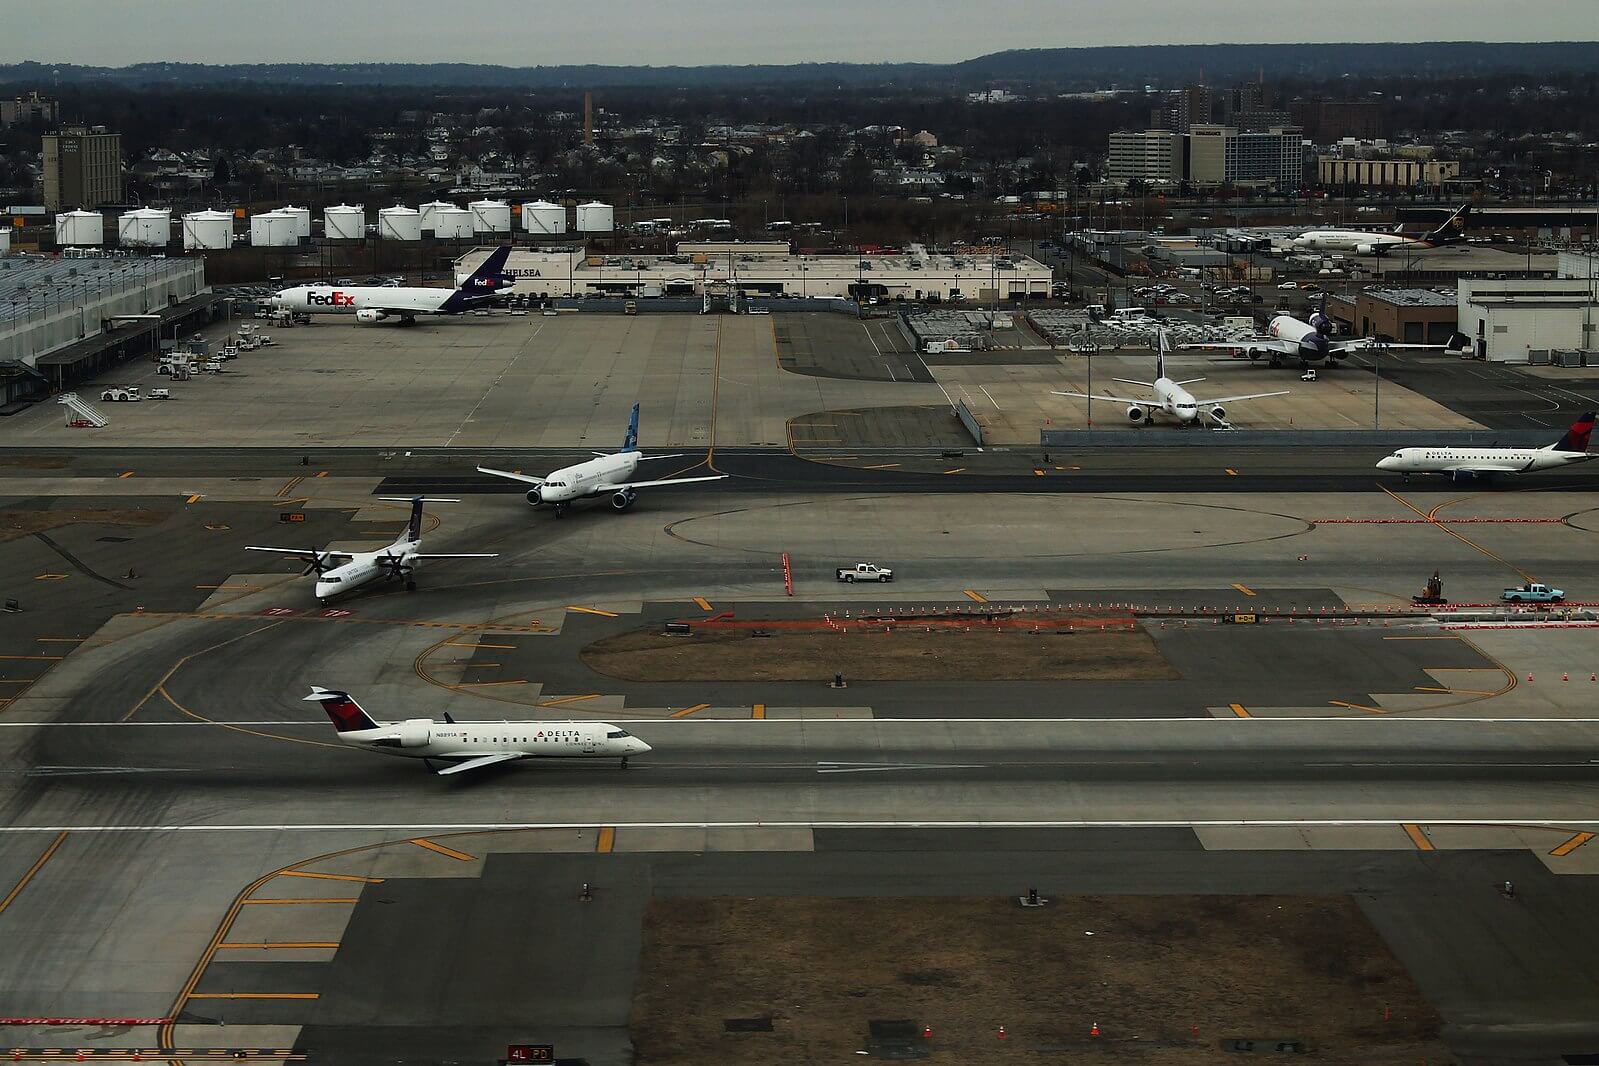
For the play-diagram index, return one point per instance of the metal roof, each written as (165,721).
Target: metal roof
(32,284)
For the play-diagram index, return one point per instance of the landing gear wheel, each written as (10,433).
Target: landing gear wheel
(560,510)
(410,586)
(624,762)
(323,601)
(1276,363)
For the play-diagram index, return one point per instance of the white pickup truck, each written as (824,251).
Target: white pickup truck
(865,572)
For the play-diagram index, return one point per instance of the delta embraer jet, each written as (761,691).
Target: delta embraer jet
(1170,396)
(398,561)
(470,745)
(380,303)
(596,477)
(1462,463)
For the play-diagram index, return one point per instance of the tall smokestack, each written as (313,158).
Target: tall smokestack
(588,118)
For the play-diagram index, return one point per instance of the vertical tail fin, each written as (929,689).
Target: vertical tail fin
(413,531)
(1577,437)
(1453,228)
(630,442)
(1162,346)
(485,281)
(346,715)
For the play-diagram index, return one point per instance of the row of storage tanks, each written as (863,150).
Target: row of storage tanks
(151,227)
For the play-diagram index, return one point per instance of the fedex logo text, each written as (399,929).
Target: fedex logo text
(330,299)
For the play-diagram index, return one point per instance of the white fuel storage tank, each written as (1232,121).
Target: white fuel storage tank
(452,223)
(431,208)
(490,216)
(595,217)
(274,229)
(344,223)
(302,220)
(145,227)
(399,223)
(544,218)
(79,228)
(207,230)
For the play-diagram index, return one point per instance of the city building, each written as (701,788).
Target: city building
(1524,320)
(1325,121)
(1384,173)
(82,168)
(30,108)
(1155,157)
(1219,155)
(1182,108)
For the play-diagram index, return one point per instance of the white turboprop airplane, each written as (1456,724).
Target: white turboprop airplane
(1170,396)
(380,303)
(470,745)
(1364,242)
(397,561)
(607,473)
(1308,341)
(1462,463)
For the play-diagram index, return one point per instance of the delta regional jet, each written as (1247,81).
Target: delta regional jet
(397,562)
(471,745)
(1461,463)
(607,473)
(381,303)
(1170,397)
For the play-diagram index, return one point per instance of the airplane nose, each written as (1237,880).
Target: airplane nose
(639,747)
(1385,463)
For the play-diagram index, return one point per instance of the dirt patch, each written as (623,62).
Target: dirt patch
(15,524)
(1301,968)
(907,653)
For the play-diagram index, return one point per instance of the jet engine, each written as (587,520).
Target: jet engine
(1219,413)
(1135,414)
(414,732)
(1365,249)
(367,317)
(623,499)
(533,497)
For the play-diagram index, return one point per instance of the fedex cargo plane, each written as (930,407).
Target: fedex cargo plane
(381,303)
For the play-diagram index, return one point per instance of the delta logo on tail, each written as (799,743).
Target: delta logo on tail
(346,714)
(1578,436)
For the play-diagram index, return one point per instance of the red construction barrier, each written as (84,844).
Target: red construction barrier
(788,575)
(85,1021)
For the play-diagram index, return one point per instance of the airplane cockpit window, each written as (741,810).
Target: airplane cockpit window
(617,734)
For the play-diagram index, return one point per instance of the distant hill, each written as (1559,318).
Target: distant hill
(1063,68)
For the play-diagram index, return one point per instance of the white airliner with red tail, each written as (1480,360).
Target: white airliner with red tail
(470,745)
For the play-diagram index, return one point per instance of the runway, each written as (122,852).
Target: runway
(1019,772)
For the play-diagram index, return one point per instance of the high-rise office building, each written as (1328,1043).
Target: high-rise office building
(82,168)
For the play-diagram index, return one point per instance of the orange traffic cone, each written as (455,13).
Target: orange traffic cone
(1093,1030)
(1565,677)
(1002,1032)
(1529,675)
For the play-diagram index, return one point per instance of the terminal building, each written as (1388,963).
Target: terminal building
(65,319)
(717,269)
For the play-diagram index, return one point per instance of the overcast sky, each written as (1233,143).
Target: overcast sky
(661,32)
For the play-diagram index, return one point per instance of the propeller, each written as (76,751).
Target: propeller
(394,564)
(319,563)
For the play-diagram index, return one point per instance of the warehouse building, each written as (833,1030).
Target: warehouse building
(1404,316)
(719,269)
(70,318)
(1385,173)
(1522,320)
